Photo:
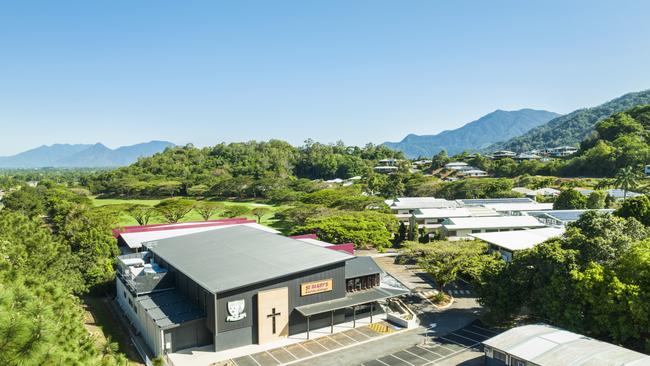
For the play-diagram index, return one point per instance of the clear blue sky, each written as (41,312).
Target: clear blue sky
(122,72)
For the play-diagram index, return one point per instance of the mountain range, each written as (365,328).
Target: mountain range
(493,127)
(82,155)
(571,128)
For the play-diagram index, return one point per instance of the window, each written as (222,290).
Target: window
(499,356)
(475,231)
(488,352)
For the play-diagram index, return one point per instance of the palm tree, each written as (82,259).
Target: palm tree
(626,179)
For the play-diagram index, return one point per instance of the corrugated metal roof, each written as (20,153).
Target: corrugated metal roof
(545,345)
(237,256)
(520,239)
(523,206)
(486,201)
(496,222)
(352,299)
(361,266)
(134,240)
(169,309)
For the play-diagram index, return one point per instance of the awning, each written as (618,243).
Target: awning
(352,299)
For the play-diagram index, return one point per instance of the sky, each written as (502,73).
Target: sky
(124,72)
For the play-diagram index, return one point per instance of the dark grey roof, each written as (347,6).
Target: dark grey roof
(230,258)
(169,309)
(488,201)
(361,266)
(352,299)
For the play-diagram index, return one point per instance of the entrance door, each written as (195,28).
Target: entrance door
(272,315)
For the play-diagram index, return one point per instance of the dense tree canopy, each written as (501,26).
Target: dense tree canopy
(593,280)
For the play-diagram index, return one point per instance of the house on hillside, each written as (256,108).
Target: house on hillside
(387,166)
(502,154)
(617,194)
(472,173)
(562,151)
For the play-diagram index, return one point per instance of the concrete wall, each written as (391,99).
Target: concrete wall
(244,332)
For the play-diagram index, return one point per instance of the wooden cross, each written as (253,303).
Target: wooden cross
(272,316)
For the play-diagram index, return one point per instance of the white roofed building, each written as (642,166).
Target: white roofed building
(403,207)
(462,227)
(508,242)
(545,345)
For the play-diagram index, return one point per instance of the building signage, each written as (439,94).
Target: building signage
(236,310)
(315,287)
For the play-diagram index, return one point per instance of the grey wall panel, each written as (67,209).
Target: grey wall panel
(234,338)
(190,334)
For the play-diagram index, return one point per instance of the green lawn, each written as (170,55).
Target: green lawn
(125,219)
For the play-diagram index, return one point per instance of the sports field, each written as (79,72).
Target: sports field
(125,219)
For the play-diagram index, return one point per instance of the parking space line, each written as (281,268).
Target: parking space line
(407,351)
(306,349)
(462,336)
(320,344)
(254,360)
(487,330)
(289,352)
(469,331)
(273,357)
(354,340)
(403,360)
(450,355)
(365,335)
(335,341)
(452,341)
(382,362)
(430,351)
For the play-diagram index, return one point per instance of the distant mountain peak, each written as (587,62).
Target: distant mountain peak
(82,155)
(572,128)
(492,127)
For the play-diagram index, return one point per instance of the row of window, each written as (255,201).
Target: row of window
(362,283)
(505,358)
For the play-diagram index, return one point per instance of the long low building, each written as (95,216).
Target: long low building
(545,345)
(240,285)
(561,217)
(462,227)
(509,242)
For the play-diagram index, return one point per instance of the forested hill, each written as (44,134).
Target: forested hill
(492,127)
(572,128)
(231,169)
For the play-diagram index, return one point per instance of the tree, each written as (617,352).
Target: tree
(601,238)
(259,212)
(440,159)
(233,211)
(626,179)
(142,213)
(637,207)
(401,233)
(361,228)
(596,200)
(443,261)
(570,199)
(206,209)
(174,209)
(25,200)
